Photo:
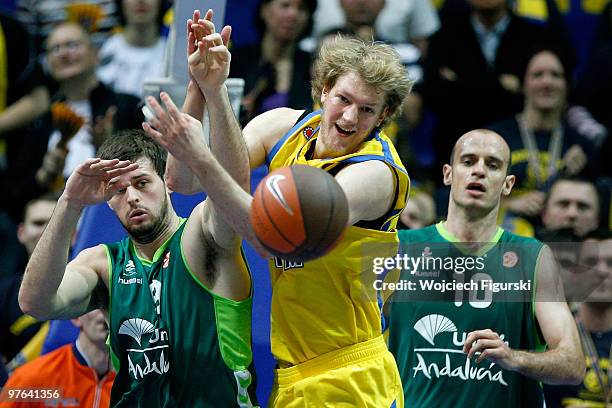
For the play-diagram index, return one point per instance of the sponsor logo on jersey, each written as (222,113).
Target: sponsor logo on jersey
(438,361)
(308,132)
(148,360)
(510,259)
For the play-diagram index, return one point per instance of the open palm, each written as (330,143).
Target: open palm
(209,57)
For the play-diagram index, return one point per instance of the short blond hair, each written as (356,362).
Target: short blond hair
(376,63)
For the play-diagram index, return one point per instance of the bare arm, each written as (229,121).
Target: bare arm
(381,187)
(563,361)
(178,176)
(50,288)
(25,110)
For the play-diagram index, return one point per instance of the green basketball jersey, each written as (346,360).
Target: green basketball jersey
(457,289)
(173,342)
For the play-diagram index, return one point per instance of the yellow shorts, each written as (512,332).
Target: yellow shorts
(362,375)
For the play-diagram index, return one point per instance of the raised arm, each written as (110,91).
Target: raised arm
(178,176)
(51,288)
(210,66)
(563,361)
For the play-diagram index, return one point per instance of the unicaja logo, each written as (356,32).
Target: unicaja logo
(431,325)
(135,328)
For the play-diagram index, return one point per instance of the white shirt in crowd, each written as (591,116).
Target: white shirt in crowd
(398,22)
(124,67)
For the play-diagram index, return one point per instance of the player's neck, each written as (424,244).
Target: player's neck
(147,250)
(542,120)
(468,228)
(145,35)
(95,354)
(274,50)
(596,317)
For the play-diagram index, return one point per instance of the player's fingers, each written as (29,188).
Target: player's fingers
(208,25)
(208,15)
(220,51)
(102,164)
(485,354)
(199,31)
(126,168)
(159,112)
(214,39)
(191,46)
(226,33)
(170,106)
(483,344)
(154,134)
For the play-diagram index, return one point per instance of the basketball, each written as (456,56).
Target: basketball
(299,213)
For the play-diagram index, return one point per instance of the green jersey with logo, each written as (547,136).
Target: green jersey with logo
(450,289)
(173,342)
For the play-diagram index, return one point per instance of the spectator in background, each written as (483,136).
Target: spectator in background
(16,328)
(275,70)
(400,21)
(572,203)
(87,113)
(473,67)
(81,371)
(420,211)
(594,318)
(130,57)
(593,93)
(22,94)
(543,145)
(40,17)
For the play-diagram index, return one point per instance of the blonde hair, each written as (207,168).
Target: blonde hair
(376,63)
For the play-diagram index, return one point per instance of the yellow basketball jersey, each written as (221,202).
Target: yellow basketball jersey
(329,303)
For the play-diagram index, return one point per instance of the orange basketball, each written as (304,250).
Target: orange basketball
(299,213)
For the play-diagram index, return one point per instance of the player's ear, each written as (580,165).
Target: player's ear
(324,93)
(447,173)
(508,184)
(383,116)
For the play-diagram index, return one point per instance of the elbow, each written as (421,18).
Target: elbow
(29,306)
(578,372)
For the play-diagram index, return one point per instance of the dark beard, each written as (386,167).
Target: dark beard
(145,234)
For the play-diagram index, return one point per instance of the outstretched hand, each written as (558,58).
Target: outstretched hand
(179,133)
(209,57)
(97,180)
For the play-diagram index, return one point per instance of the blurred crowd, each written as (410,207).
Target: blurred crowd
(536,72)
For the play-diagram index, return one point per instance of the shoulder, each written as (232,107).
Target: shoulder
(96,258)
(270,126)
(368,171)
